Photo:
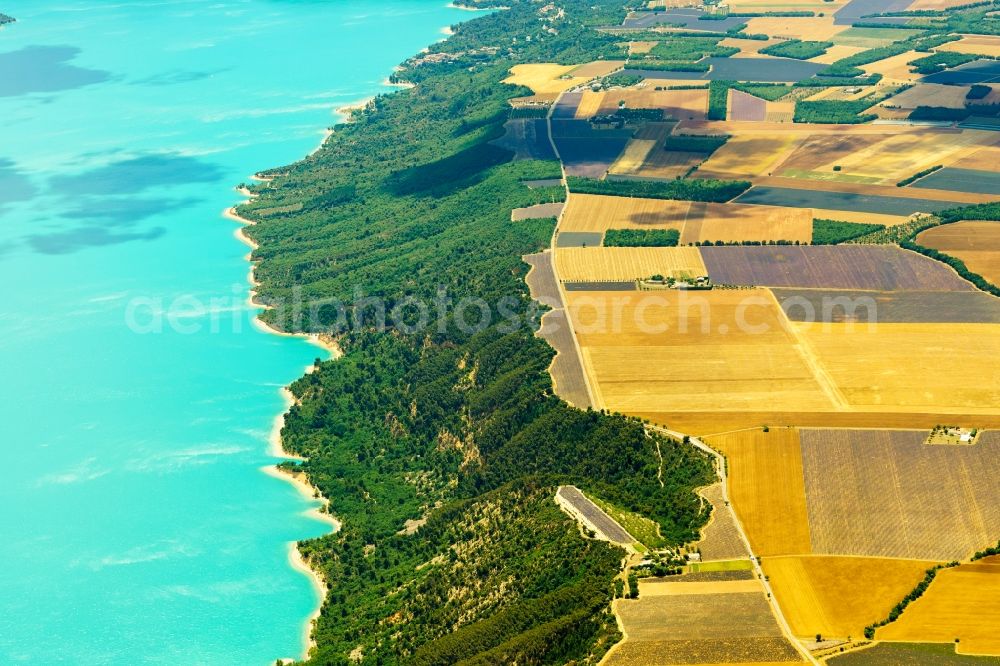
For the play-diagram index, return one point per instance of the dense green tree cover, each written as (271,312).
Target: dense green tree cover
(769,91)
(796,48)
(642,237)
(671,65)
(978,91)
(454,421)
(718,99)
(622,80)
(940,61)
(695,143)
(689,49)
(832,232)
(918,175)
(691,189)
(833,111)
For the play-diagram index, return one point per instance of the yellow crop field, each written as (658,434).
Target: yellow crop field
(590,104)
(742,222)
(583,264)
(836,52)
(895,69)
(930,94)
(751,155)
(767,489)
(910,367)
(639,48)
(839,596)
(817,28)
(709,350)
(962,603)
(669,163)
(983,159)
(975,243)
(679,104)
(595,212)
(860,217)
(987,45)
(635,154)
(548,78)
(592,70)
(904,154)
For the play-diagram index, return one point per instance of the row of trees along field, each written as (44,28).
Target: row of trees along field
(459,427)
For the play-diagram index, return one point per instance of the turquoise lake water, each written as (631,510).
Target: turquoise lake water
(136,525)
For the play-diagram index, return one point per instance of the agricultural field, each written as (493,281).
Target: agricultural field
(985,45)
(837,597)
(975,243)
(736,223)
(750,155)
(688,104)
(889,366)
(870,38)
(885,493)
(744,107)
(900,307)
(895,69)
(910,654)
(617,264)
(598,213)
(960,607)
(690,351)
(720,539)
(544,78)
(961,180)
(586,151)
(724,624)
(870,267)
(808,194)
(766,488)
(648,139)
(929,94)
(812,29)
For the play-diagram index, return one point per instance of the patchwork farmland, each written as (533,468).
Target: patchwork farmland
(816,371)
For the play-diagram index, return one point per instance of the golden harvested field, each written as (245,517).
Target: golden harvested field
(640,48)
(836,52)
(590,104)
(696,221)
(708,422)
(751,155)
(633,157)
(975,243)
(679,104)
(544,78)
(711,350)
(841,93)
(910,367)
(895,69)
(780,112)
(767,489)
(743,222)
(594,212)
(987,45)
(930,94)
(592,70)
(584,264)
(984,159)
(669,164)
(819,29)
(863,218)
(839,596)
(962,603)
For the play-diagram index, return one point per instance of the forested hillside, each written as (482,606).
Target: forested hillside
(454,422)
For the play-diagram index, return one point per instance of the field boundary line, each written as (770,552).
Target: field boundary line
(720,469)
(808,354)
